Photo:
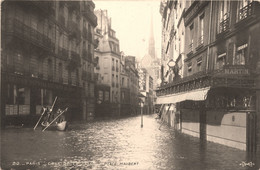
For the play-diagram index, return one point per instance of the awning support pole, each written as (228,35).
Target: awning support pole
(166,114)
(162,106)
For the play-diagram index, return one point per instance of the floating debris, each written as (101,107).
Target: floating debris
(250,164)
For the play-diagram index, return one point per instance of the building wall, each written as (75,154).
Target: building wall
(38,49)
(109,61)
(230,41)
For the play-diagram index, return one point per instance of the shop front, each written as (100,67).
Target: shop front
(23,98)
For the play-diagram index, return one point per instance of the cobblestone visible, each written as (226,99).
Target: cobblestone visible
(117,144)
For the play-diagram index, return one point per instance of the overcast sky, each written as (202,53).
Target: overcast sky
(131,20)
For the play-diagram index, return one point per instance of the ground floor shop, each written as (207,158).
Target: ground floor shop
(22,99)
(226,116)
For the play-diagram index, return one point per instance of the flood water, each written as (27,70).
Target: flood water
(116,144)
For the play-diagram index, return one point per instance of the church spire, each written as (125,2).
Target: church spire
(151,47)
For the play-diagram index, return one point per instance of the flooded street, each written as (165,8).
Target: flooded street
(115,144)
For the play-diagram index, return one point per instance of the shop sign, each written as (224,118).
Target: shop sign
(236,71)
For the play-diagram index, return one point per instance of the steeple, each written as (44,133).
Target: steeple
(151,47)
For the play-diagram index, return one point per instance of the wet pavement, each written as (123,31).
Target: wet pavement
(116,144)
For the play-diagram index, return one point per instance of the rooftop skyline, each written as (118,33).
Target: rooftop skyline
(132,22)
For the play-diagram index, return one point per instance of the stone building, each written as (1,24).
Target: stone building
(47,51)
(108,71)
(146,89)
(131,70)
(217,96)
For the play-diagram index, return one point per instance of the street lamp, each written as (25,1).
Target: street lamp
(141,101)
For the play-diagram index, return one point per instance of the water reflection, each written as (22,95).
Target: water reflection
(115,144)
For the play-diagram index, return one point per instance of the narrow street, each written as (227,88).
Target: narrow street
(115,144)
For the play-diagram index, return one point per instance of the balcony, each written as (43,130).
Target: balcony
(248,11)
(224,25)
(90,16)
(229,76)
(190,49)
(200,42)
(74,60)
(46,6)
(74,31)
(73,5)
(24,32)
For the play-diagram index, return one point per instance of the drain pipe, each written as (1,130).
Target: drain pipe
(209,38)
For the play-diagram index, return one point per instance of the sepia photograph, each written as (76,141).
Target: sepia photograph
(130,84)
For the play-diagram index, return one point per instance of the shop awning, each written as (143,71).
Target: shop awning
(195,95)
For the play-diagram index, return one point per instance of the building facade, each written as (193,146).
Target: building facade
(108,71)
(217,96)
(47,51)
(146,89)
(131,69)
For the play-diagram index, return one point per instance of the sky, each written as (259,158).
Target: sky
(131,20)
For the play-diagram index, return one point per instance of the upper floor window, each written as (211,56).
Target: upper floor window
(239,58)
(191,38)
(201,27)
(221,60)
(189,67)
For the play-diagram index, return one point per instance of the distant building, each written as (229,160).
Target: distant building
(108,58)
(47,51)
(212,91)
(150,61)
(146,89)
(131,70)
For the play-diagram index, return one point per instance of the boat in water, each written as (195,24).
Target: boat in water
(62,126)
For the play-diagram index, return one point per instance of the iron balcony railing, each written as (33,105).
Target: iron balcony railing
(25,32)
(200,40)
(74,30)
(245,12)
(190,48)
(90,15)
(224,25)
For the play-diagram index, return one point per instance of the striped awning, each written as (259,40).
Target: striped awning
(195,95)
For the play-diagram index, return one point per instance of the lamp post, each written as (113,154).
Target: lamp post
(142,104)
(141,101)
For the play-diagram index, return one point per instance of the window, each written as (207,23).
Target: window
(201,33)
(100,95)
(113,96)
(223,16)
(123,81)
(60,72)
(221,60)
(189,67)
(240,55)
(199,61)
(50,69)
(106,96)
(191,38)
